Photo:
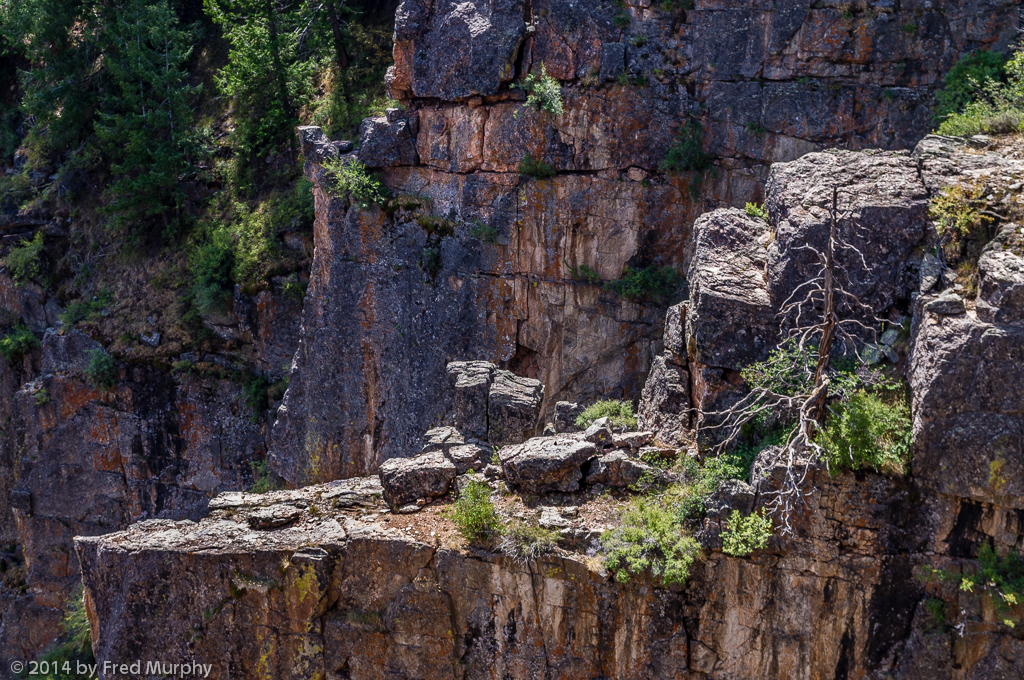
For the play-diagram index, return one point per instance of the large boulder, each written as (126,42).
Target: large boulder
(545,464)
(566,413)
(731,321)
(619,470)
(513,408)
(453,50)
(1001,270)
(406,480)
(387,143)
(665,402)
(472,383)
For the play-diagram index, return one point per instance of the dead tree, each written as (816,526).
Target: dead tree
(818,314)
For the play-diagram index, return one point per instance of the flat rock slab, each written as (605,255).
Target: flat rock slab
(545,464)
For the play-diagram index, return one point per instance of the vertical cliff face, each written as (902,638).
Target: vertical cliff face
(484,262)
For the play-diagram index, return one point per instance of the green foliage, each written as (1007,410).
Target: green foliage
(647,284)
(651,538)
(537,169)
(583,273)
(351,178)
(1001,577)
(701,480)
(255,395)
(869,430)
(42,397)
(619,413)
(754,210)
(473,513)
(995,107)
(966,80)
(523,541)
(101,371)
(936,608)
(263,478)
(144,121)
(910,28)
(86,310)
(545,93)
(687,153)
(18,342)
(436,226)
(744,535)
(621,20)
(211,264)
(25,260)
(15,191)
(430,260)
(755,128)
(956,209)
(789,370)
(483,232)
(758,437)
(74,645)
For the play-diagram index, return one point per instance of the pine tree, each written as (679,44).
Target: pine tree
(145,124)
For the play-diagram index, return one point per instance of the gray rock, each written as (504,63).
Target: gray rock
(273,516)
(493,472)
(468,457)
(457,49)
(599,432)
(545,464)
(731,494)
(67,352)
(947,304)
(1001,271)
(730,320)
(618,470)
(613,60)
(513,408)
(566,413)
(405,480)
(665,405)
(344,145)
(151,339)
(471,384)
(442,439)
(931,272)
(632,440)
(675,332)
(551,518)
(316,148)
(384,145)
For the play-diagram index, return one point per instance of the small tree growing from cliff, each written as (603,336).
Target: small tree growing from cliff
(798,379)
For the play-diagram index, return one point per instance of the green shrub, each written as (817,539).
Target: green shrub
(537,169)
(647,284)
(620,413)
(621,20)
(483,232)
(263,478)
(15,190)
(473,513)
(18,342)
(956,209)
(102,370)
(255,394)
(870,430)
(42,397)
(583,273)
(651,537)
(25,259)
(687,153)
(701,480)
(351,178)
(965,80)
(86,310)
(755,210)
(430,260)
(746,534)
(755,128)
(436,226)
(545,93)
(1001,577)
(211,264)
(995,107)
(524,542)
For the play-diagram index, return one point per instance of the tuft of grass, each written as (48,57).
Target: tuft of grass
(523,542)
(583,273)
(263,478)
(473,513)
(744,535)
(86,310)
(755,210)
(535,168)
(687,153)
(620,413)
(18,342)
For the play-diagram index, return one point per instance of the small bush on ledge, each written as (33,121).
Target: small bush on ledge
(870,430)
(651,538)
(619,412)
(647,284)
(746,534)
(535,168)
(755,210)
(351,178)
(545,93)
(102,370)
(687,153)
(473,513)
(18,342)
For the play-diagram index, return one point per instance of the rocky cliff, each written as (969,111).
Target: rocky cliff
(330,582)
(484,262)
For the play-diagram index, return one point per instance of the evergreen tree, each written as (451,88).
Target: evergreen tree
(145,124)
